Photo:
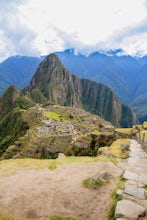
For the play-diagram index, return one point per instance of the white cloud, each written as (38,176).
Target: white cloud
(42,26)
(15,37)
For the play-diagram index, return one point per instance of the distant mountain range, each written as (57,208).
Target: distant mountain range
(126,75)
(17,70)
(31,119)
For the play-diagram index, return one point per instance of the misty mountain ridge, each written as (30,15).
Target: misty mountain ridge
(126,75)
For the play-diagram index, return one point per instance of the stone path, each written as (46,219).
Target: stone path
(134,196)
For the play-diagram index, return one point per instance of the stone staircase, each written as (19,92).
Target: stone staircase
(133,205)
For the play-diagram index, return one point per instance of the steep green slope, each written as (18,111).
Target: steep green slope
(11,128)
(12,98)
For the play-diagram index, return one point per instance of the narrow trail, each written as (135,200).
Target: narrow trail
(134,196)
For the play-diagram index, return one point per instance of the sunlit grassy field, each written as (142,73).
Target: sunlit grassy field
(9,167)
(115,149)
(124,130)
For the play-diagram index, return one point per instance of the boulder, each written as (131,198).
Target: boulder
(103,176)
(136,177)
(135,191)
(129,209)
(61,155)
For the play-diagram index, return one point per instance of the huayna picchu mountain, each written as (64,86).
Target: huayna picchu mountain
(53,83)
(29,129)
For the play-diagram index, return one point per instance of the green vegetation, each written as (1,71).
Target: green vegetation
(11,128)
(37,96)
(53,115)
(4,216)
(62,114)
(143,134)
(24,102)
(115,149)
(12,165)
(59,217)
(145,125)
(52,167)
(96,131)
(115,198)
(124,130)
(94,184)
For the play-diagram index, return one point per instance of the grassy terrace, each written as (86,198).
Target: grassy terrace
(145,125)
(9,167)
(61,115)
(124,130)
(115,149)
(143,134)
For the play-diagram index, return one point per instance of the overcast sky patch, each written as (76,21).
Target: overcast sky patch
(39,27)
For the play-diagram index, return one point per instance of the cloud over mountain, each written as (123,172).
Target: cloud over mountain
(36,27)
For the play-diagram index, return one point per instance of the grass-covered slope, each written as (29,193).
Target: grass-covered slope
(11,128)
(43,132)
(11,99)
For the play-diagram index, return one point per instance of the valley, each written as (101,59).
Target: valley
(73,110)
(65,144)
(125,75)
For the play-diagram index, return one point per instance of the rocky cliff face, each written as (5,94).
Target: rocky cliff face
(55,82)
(58,86)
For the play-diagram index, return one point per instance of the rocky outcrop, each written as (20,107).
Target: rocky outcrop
(58,86)
(55,82)
(129,209)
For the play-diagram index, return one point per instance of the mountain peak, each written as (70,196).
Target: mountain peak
(60,87)
(52,59)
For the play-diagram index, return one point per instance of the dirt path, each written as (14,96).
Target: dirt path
(37,194)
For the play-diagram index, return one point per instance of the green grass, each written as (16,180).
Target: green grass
(115,149)
(52,167)
(145,125)
(96,131)
(92,184)
(58,217)
(53,115)
(124,130)
(143,134)
(8,167)
(60,114)
(4,216)
(115,198)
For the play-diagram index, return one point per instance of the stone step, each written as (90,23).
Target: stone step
(129,209)
(134,176)
(135,191)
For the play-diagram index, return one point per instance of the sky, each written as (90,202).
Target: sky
(40,27)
